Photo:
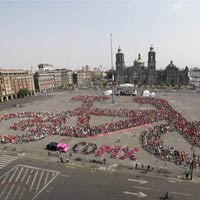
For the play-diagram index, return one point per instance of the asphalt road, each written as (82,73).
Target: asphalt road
(29,179)
(29,99)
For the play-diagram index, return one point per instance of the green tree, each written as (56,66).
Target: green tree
(23,92)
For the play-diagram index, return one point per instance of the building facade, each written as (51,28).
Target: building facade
(194,75)
(48,78)
(11,81)
(84,76)
(141,74)
(66,77)
(44,82)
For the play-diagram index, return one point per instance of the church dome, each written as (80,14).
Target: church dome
(139,60)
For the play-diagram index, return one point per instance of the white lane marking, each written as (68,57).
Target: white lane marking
(8,156)
(29,177)
(8,172)
(21,181)
(46,178)
(66,176)
(38,185)
(13,175)
(5,160)
(33,177)
(137,194)
(179,193)
(138,181)
(4,179)
(8,182)
(45,186)
(27,181)
(36,173)
(14,184)
(8,194)
(4,163)
(143,188)
(19,174)
(48,170)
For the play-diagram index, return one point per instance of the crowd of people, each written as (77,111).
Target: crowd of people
(189,130)
(38,125)
(152,141)
(121,152)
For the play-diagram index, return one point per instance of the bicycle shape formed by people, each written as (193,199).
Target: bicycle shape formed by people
(37,125)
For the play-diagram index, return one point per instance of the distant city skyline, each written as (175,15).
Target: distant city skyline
(75,33)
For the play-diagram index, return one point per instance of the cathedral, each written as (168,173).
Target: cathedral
(143,75)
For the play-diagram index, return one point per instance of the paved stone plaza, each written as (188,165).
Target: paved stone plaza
(186,102)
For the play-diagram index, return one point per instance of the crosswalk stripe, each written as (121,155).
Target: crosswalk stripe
(25,181)
(6,159)
(7,156)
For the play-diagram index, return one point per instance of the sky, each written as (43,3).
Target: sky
(74,33)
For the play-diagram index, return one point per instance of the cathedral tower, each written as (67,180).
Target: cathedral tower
(151,66)
(120,66)
(119,60)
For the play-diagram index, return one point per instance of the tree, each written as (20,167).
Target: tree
(23,92)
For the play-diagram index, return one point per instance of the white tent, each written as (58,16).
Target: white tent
(126,85)
(108,92)
(153,94)
(146,93)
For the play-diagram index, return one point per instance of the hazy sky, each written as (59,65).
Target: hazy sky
(77,32)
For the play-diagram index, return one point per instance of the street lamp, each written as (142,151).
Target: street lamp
(113,79)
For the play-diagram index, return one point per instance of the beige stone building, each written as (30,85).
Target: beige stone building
(44,82)
(48,78)
(66,77)
(12,80)
(84,76)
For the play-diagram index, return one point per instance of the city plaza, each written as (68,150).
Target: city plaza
(186,102)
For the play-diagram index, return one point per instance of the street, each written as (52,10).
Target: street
(22,178)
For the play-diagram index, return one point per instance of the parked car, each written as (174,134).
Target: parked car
(52,146)
(62,147)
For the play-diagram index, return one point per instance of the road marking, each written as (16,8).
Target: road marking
(46,178)
(66,176)
(138,181)
(36,173)
(26,182)
(19,185)
(19,174)
(5,160)
(68,166)
(143,188)
(137,194)
(179,193)
(8,194)
(5,188)
(4,179)
(38,185)
(45,186)
(29,177)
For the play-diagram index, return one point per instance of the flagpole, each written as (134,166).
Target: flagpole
(113,79)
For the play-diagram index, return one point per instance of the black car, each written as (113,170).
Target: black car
(52,146)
